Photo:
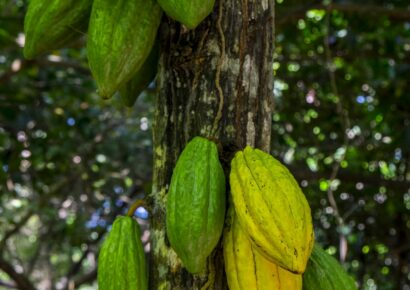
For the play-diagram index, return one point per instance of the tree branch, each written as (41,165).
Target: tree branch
(22,282)
(87,278)
(14,230)
(394,14)
(77,266)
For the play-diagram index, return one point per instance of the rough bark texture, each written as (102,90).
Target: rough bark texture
(215,81)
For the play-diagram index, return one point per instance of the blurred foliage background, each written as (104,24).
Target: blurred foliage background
(70,162)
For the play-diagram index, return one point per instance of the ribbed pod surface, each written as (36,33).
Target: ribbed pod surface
(323,272)
(53,24)
(247,269)
(121,262)
(121,35)
(145,75)
(196,204)
(272,209)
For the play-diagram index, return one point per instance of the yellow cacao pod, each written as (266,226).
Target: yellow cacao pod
(247,269)
(272,209)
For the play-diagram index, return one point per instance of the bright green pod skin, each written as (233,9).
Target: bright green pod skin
(145,75)
(121,262)
(53,24)
(323,272)
(196,204)
(120,37)
(188,12)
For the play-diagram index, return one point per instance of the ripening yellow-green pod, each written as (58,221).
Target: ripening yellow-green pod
(272,209)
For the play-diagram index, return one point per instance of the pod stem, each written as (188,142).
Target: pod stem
(138,203)
(211,274)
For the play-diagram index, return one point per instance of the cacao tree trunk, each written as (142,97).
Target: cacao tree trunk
(215,81)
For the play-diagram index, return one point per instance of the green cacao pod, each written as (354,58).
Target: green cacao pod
(145,75)
(120,37)
(246,268)
(323,272)
(121,262)
(53,24)
(188,12)
(272,209)
(196,204)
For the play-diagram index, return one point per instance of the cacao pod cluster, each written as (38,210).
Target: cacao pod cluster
(268,238)
(121,48)
(271,225)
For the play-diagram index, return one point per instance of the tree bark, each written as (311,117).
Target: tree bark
(215,81)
